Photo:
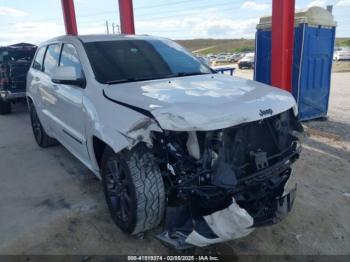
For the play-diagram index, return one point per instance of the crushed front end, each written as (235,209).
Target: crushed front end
(221,184)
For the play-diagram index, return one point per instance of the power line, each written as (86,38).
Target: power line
(165,4)
(175,13)
(148,15)
(91,18)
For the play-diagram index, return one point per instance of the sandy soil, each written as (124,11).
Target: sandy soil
(341,66)
(51,204)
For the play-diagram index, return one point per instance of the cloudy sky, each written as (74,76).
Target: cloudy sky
(38,20)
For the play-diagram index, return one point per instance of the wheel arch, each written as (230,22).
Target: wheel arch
(99,147)
(99,143)
(30,101)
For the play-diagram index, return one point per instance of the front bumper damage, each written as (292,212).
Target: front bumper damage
(224,225)
(222,184)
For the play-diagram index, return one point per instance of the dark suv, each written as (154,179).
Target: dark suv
(15,61)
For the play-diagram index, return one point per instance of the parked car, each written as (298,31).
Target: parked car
(209,155)
(247,61)
(15,61)
(235,57)
(341,55)
(211,58)
(221,58)
(204,59)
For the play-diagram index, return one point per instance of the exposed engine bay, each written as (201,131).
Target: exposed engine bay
(239,171)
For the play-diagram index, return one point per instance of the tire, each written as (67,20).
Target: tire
(134,189)
(5,107)
(240,67)
(41,137)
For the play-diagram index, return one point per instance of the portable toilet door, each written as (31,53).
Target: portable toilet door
(312,66)
(312,60)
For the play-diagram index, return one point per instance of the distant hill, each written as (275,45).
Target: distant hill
(214,46)
(343,41)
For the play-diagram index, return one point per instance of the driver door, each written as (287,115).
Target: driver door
(67,111)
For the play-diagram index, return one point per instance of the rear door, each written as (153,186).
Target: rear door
(37,87)
(45,86)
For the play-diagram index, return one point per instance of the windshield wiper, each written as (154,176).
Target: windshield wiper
(191,73)
(119,81)
(135,79)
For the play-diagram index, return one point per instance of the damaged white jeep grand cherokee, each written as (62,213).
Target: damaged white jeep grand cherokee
(208,155)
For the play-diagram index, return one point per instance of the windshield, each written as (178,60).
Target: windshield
(135,60)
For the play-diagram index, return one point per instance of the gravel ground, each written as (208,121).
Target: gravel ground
(341,66)
(51,204)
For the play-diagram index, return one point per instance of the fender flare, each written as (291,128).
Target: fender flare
(112,138)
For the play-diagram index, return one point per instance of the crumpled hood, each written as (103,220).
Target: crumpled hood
(203,102)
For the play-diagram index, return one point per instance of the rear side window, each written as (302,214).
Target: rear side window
(38,61)
(51,58)
(69,57)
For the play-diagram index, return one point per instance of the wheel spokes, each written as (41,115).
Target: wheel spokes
(118,189)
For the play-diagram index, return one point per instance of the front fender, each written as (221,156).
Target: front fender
(116,125)
(111,138)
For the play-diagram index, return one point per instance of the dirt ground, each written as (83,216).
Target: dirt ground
(341,66)
(51,204)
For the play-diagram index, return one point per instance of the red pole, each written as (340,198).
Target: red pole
(126,14)
(282,43)
(69,17)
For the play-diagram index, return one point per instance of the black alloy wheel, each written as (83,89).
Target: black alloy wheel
(118,190)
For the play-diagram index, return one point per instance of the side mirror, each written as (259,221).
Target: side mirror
(67,76)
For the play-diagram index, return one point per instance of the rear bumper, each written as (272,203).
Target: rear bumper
(8,95)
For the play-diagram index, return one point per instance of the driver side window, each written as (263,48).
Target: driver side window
(69,57)
(51,58)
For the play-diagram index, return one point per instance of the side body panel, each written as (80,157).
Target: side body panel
(71,114)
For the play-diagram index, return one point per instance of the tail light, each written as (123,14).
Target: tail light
(3,75)
(4,80)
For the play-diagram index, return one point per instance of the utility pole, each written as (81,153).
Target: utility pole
(113,28)
(107,28)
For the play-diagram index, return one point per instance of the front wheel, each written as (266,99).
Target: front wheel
(133,188)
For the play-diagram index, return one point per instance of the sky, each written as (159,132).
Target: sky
(38,20)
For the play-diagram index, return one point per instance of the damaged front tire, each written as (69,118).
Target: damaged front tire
(133,188)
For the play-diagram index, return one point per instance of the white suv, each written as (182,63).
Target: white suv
(206,155)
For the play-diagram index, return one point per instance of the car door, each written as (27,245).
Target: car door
(63,103)
(66,107)
(46,59)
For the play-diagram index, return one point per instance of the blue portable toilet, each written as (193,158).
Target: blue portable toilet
(314,37)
